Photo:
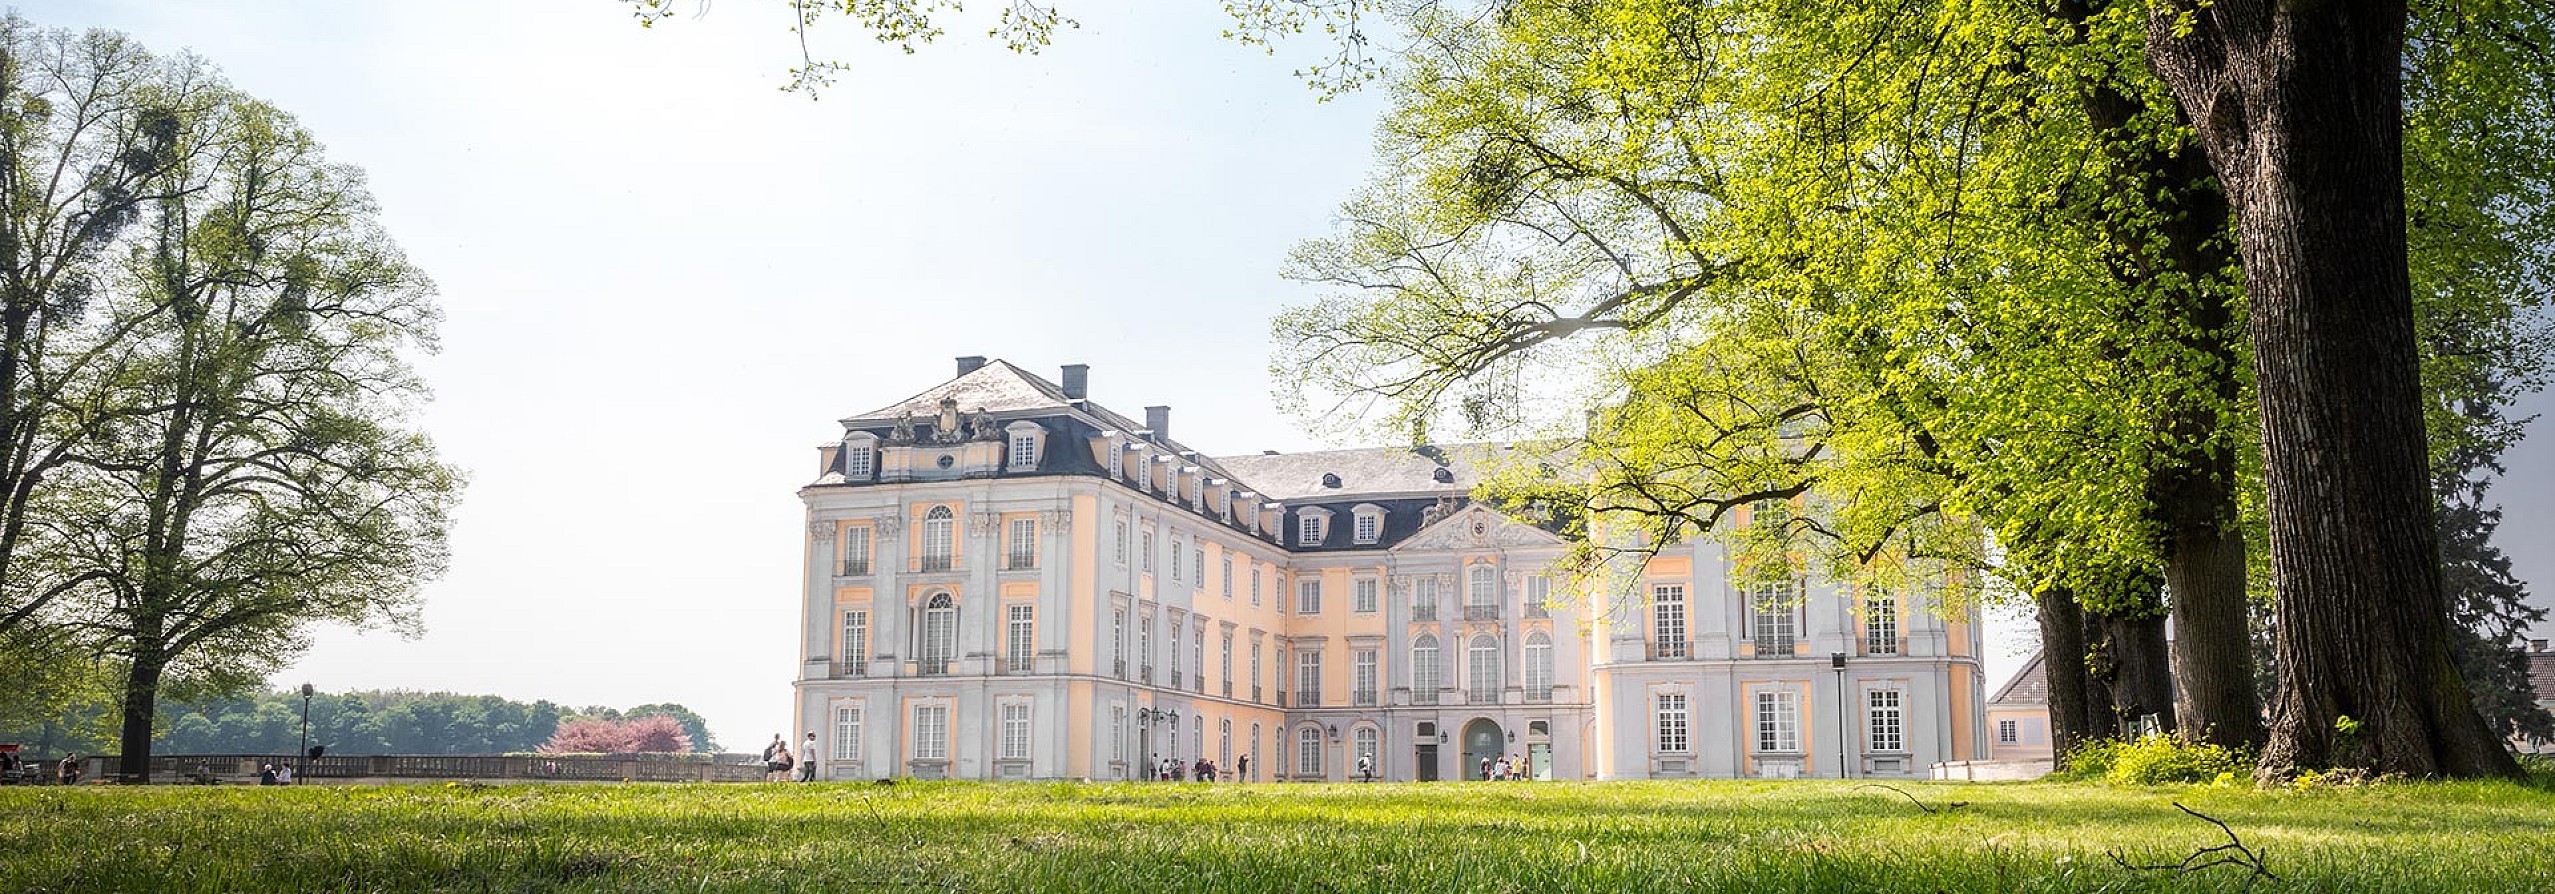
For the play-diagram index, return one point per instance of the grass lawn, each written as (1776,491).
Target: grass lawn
(1643,836)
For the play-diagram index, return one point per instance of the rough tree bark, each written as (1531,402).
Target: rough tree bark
(2062,664)
(2299,107)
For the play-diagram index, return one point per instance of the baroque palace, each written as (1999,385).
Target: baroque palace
(1006,580)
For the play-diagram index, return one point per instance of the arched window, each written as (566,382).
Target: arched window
(1224,745)
(1308,751)
(1483,656)
(1539,667)
(936,538)
(1424,669)
(940,633)
(1369,748)
(1253,748)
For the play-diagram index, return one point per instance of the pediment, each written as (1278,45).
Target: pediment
(1478,527)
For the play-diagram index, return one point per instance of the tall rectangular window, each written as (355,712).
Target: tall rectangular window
(1887,720)
(1308,677)
(856,461)
(1118,641)
(1365,668)
(1368,527)
(1176,626)
(855,649)
(1122,543)
(1144,642)
(1308,597)
(1015,731)
(1021,638)
(1024,544)
(847,733)
(1539,595)
(1778,722)
(1668,613)
(1175,557)
(1365,599)
(1117,732)
(931,732)
(1672,722)
(1145,553)
(1308,529)
(1255,583)
(1227,675)
(856,550)
(1424,598)
(1024,452)
(1228,576)
(1771,620)
(1880,624)
(1198,660)
(1198,562)
(1255,670)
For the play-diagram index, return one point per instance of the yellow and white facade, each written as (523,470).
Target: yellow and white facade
(1007,581)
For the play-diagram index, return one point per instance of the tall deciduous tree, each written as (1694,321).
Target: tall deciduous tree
(2302,110)
(267,480)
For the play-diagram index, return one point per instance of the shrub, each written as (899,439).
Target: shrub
(595,736)
(2157,760)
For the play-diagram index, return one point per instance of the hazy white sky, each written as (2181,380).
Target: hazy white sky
(664,279)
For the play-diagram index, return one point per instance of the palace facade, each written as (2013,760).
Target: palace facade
(1006,580)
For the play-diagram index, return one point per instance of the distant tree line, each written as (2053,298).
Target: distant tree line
(365,722)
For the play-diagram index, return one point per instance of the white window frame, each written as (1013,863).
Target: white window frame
(1118,731)
(1024,451)
(1122,543)
(1481,665)
(1255,583)
(1144,542)
(1228,576)
(1778,721)
(1020,634)
(1308,677)
(855,644)
(1310,526)
(931,731)
(1308,751)
(1308,595)
(1671,724)
(1881,624)
(1366,599)
(1022,550)
(1366,677)
(1885,714)
(1668,620)
(1176,543)
(1483,590)
(939,540)
(847,732)
(1424,664)
(860,459)
(1015,732)
(2009,731)
(856,547)
(1539,662)
(1367,526)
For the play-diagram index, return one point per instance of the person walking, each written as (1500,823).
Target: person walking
(1242,768)
(779,765)
(1366,768)
(807,759)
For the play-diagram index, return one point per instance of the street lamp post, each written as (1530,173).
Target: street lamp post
(300,767)
(1837,660)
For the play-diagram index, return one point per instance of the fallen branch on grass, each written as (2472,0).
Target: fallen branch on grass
(2232,853)
(1920,805)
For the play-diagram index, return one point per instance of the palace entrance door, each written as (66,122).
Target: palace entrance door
(1482,742)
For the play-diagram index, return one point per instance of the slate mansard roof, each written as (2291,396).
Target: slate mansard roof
(1406,482)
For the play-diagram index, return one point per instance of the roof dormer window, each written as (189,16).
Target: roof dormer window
(1369,524)
(1310,525)
(860,456)
(1028,442)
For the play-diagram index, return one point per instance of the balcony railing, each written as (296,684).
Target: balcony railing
(1774,646)
(1364,698)
(1228,689)
(1255,693)
(1537,610)
(1176,679)
(1424,696)
(932,667)
(1120,669)
(1481,612)
(855,567)
(1888,646)
(930,564)
(1198,682)
(1481,697)
(1309,698)
(1145,674)
(1019,562)
(1542,696)
(851,668)
(1017,664)
(1424,611)
(1672,650)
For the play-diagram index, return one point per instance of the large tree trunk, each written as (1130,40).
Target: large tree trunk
(2062,663)
(2134,669)
(2300,109)
(141,707)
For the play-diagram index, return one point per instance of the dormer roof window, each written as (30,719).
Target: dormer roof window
(1028,443)
(1310,526)
(860,456)
(1330,479)
(1369,525)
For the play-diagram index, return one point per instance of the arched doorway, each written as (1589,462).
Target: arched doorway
(1482,742)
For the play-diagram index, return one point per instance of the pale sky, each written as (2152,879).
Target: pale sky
(664,279)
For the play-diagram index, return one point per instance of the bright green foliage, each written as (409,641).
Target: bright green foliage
(1823,837)
(2157,760)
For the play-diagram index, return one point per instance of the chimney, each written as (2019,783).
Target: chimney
(969,364)
(1078,381)
(1158,419)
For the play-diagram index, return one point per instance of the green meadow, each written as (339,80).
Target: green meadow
(1823,836)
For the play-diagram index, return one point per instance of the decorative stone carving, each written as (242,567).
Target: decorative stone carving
(1056,519)
(904,432)
(984,523)
(1478,528)
(821,530)
(891,525)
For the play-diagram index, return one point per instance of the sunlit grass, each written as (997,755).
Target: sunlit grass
(1654,836)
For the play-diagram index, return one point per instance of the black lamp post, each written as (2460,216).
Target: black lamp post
(1837,660)
(307,692)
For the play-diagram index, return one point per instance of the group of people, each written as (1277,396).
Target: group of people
(1506,768)
(1170,769)
(12,768)
(779,765)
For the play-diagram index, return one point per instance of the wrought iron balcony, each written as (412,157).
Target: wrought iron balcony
(930,564)
(1542,696)
(1145,674)
(1537,610)
(1308,698)
(1120,669)
(1481,697)
(1774,646)
(1255,694)
(1364,698)
(1669,650)
(1424,611)
(1424,696)
(854,567)
(1017,664)
(1228,689)
(1176,679)
(851,669)
(932,667)
(1019,562)
(1481,612)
